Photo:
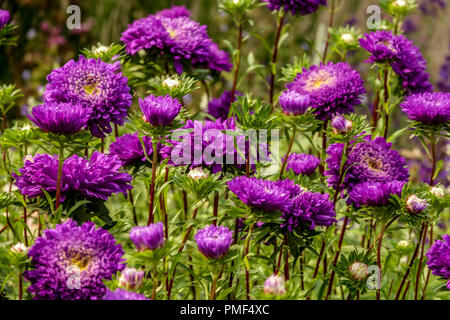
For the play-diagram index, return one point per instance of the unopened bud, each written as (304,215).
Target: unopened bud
(274,285)
(18,247)
(416,205)
(198,173)
(171,82)
(340,124)
(437,192)
(131,278)
(359,270)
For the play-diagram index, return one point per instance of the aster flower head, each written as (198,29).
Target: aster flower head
(218,60)
(374,193)
(60,117)
(121,294)
(371,160)
(174,12)
(359,270)
(293,102)
(429,107)
(220,107)
(99,177)
(302,7)
(301,163)
(340,124)
(310,208)
(290,187)
(4,17)
(149,237)
(439,257)
(416,205)
(131,278)
(261,194)
(275,285)
(129,148)
(159,111)
(71,262)
(213,241)
(331,88)
(383,45)
(96,85)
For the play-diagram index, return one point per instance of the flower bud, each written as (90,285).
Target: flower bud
(198,173)
(274,285)
(437,192)
(149,237)
(340,124)
(171,82)
(293,103)
(347,37)
(359,270)
(416,205)
(403,244)
(131,278)
(18,247)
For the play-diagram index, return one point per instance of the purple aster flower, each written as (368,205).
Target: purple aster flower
(331,88)
(60,117)
(293,102)
(94,84)
(131,278)
(149,237)
(129,148)
(174,12)
(209,145)
(340,124)
(71,262)
(416,205)
(444,75)
(430,108)
(98,177)
(431,6)
(372,160)
(159,111)
(220,107)
(261,194)
(405,58)
(302,163)
(374,193)
(290,186)
(120,294)
(439,258)
(4,18)
(219,60)
(302,7)
(213,241)
(310,208)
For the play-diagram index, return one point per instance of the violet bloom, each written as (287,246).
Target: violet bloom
(439,258)
(60,117)
(219,108)
(4,18)
(444,75)
(131,278)
(404,58)
(293,102)
(174,12)
(372,160)
(302,7)
(159,111)
(301,163)
(149,237)
(120,294)
(129,148)
(275,285)
(213,241)
(375,193)
(331,88)
(429,108)
(311,209)
(94,84)
(261,194)
(71,262)
(219,60)
(290,187)
(99,177)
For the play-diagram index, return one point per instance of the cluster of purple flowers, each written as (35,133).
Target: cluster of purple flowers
(302,7)
(370,162)
(298,207)
(328,89)
(129,148)
(404,58)
(95,85)
(219,108)
(71,262)
(4,18)
(98,177)
(301,163)
(171,32)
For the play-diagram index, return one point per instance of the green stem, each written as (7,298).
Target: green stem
(59,178)
(274,56)
(238,61)
(247,265)
(291,142)
(152,184)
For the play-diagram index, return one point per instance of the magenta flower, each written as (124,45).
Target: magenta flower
(148,237)
(301,163)
(213,241)
(302,7)
(430,108)
(159,111)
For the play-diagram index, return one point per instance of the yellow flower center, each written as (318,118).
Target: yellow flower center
(319,80)
(90,89)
